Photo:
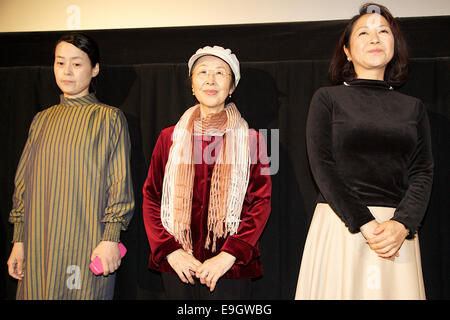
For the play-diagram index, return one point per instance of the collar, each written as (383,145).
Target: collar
(368,83)
(78,102)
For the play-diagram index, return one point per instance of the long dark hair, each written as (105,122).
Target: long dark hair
(396,71)
(88,45)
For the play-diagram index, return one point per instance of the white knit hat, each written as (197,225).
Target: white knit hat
(220,52)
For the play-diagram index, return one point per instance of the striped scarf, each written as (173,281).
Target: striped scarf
(229,178)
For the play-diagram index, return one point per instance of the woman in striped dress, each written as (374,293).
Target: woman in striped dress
(73,190)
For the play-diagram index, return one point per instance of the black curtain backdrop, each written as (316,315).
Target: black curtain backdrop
(144,73)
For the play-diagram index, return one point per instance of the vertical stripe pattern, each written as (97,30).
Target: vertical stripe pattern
(73,189)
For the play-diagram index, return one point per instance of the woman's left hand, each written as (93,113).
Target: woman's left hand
(388,238)
(212,269)
(109,254)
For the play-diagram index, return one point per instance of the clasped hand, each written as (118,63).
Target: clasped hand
(385,238)
(209,272)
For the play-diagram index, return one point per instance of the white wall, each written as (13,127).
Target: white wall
(46,15)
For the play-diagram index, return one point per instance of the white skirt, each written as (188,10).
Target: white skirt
(337,264)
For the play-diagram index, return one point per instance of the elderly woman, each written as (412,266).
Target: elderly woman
(73,190)
(369,149)
(207,195)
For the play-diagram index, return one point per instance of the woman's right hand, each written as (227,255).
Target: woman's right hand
(184,264)
(16,261)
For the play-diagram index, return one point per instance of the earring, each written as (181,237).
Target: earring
(193,92)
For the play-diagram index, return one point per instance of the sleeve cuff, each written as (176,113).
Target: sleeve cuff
(411,230)
(242,251)
(112,232)
(165,249)
(357,227)
(18,232)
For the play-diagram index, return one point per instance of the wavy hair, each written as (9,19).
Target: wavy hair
(396,71)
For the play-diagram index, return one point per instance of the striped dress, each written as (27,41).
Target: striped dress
(73,189)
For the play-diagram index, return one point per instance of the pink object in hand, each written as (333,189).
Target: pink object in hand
(96,265)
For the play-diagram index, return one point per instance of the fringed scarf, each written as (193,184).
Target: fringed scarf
(229,178)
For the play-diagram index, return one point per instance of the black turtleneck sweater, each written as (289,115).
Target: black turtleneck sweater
(369,145)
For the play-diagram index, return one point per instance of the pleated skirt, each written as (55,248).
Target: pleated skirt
(339,265)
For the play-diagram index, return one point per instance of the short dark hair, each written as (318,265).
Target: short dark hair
(396,71)
(86,44)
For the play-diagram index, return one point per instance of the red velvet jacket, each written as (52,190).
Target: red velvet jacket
(255,210)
